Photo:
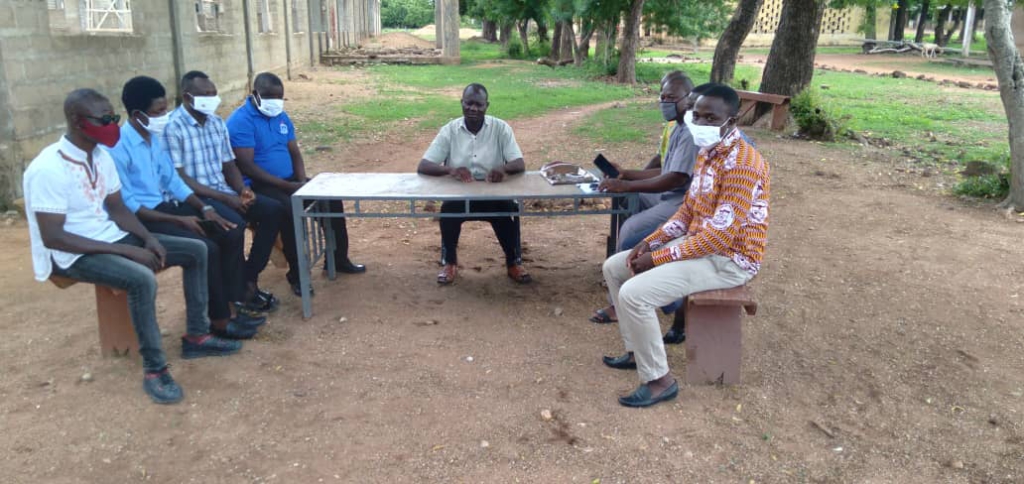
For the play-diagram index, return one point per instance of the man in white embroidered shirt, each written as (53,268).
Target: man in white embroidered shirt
(81,229)
(477,147)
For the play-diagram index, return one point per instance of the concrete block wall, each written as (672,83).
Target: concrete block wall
(40,62)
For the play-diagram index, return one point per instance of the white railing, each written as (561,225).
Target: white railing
(108,15)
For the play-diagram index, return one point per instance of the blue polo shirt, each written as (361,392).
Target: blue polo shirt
(268,137)
(148,177)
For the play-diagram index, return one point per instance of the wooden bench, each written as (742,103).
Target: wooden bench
(117,335)
(714,335)
(780,108)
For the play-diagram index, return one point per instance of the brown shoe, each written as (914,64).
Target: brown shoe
(518,273)
(447,274)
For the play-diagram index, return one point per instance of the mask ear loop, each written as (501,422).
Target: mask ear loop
(257,99)
(146,125)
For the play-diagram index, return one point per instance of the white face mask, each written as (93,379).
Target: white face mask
(705,136)
(271,107)
(157,123)
(206,104)
(688,118)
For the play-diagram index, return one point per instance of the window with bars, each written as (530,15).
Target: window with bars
(263,16)
(55,4)
(208,15)
(108,15)
(296,22)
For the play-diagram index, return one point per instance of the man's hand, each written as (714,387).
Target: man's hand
(642,263)
(614,185)
(189,222)
(295,186)
(234,203)
(462,174)
(248,197)
(642,248)
(213,216)
(143,256)
(157,249)
(496,175)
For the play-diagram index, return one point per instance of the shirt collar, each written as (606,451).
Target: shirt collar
(462,123)
(72,151)
(130,135)
(727,145)
(188,116)
(250,107)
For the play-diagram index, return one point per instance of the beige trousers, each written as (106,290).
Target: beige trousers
(636,299)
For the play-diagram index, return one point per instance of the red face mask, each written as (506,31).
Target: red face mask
(107,135)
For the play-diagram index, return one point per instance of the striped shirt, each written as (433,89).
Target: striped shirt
(200,149)
(726,210)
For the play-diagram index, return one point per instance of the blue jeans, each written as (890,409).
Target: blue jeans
(139,282)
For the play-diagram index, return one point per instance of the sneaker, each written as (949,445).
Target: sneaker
(161,388)
(208,345)
(234,331)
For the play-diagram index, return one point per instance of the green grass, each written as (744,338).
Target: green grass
(629,124)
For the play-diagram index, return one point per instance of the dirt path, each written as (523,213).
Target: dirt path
(911,65)
(890,316)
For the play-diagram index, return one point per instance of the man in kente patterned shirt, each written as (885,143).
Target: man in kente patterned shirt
(715,241)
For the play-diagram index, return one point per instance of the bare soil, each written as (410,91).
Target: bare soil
(888,347)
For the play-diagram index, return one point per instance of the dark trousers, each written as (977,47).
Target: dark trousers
(266,215)
(224,254)
(290,248)
(506,229)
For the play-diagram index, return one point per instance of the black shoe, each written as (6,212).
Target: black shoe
(161,388)
(674,336)
(297,290)
(234,331)
(348,267)
(624,362)
(210,346)
(261,302)
(246,321)
(641,397)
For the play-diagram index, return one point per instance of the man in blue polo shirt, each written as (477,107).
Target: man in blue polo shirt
(263,139)
(152,189)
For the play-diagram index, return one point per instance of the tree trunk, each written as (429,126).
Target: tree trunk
(542,31)
(940,25)
(583,48)
(1010,71)
(505,33)
(568,43)
(919,38)
(963,28)
(556,42)
(790,64)
(489,30)
(723,67)
(871,19)
(901,20)
(958,15)
(630,40)
(524,37)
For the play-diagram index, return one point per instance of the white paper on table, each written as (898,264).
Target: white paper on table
(588,188)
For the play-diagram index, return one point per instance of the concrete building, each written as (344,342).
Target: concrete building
(50,47)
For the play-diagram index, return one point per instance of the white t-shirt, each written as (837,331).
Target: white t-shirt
(53,184)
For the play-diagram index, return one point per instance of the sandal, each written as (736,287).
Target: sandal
(447,274)
(602,317)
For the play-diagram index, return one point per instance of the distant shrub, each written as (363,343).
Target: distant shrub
(989,185)
(812,119)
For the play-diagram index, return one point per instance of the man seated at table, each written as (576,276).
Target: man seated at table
(715,241)
(81,229)
(154,192)
(197,140)
(473,148)
(662,189)
(263,139)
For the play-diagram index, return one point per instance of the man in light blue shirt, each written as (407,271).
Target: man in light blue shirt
(152,189)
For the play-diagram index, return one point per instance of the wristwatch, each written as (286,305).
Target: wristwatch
(207,208)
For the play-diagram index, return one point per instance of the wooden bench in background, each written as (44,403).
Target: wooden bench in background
(780,108)
(714,334)
(117,335)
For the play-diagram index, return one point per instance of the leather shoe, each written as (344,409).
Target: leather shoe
(518,273)
(674,336)
(624,362)
(234,331)
(348,267)
(297,289)
(447,274)
(641,397)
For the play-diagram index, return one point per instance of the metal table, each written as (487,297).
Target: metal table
(312,214)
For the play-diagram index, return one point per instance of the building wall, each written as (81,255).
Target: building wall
(44,54)
(838,26)
(1017,25)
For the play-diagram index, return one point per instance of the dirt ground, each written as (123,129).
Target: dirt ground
(890,316)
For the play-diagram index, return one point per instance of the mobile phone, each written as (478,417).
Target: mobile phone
(211,228)
(606,166)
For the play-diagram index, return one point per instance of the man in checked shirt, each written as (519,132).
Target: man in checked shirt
(715,241)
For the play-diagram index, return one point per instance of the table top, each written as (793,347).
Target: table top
(413,186)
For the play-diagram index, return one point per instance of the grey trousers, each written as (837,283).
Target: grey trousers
(637,297)
(654,213)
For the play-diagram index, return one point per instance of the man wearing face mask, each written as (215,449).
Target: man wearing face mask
(263,139)
(152,189)
(197,140)
(662,189)
(80,229)
(715,241)
(474,148)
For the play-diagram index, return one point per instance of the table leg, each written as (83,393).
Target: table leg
(302,247)
(332,244)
